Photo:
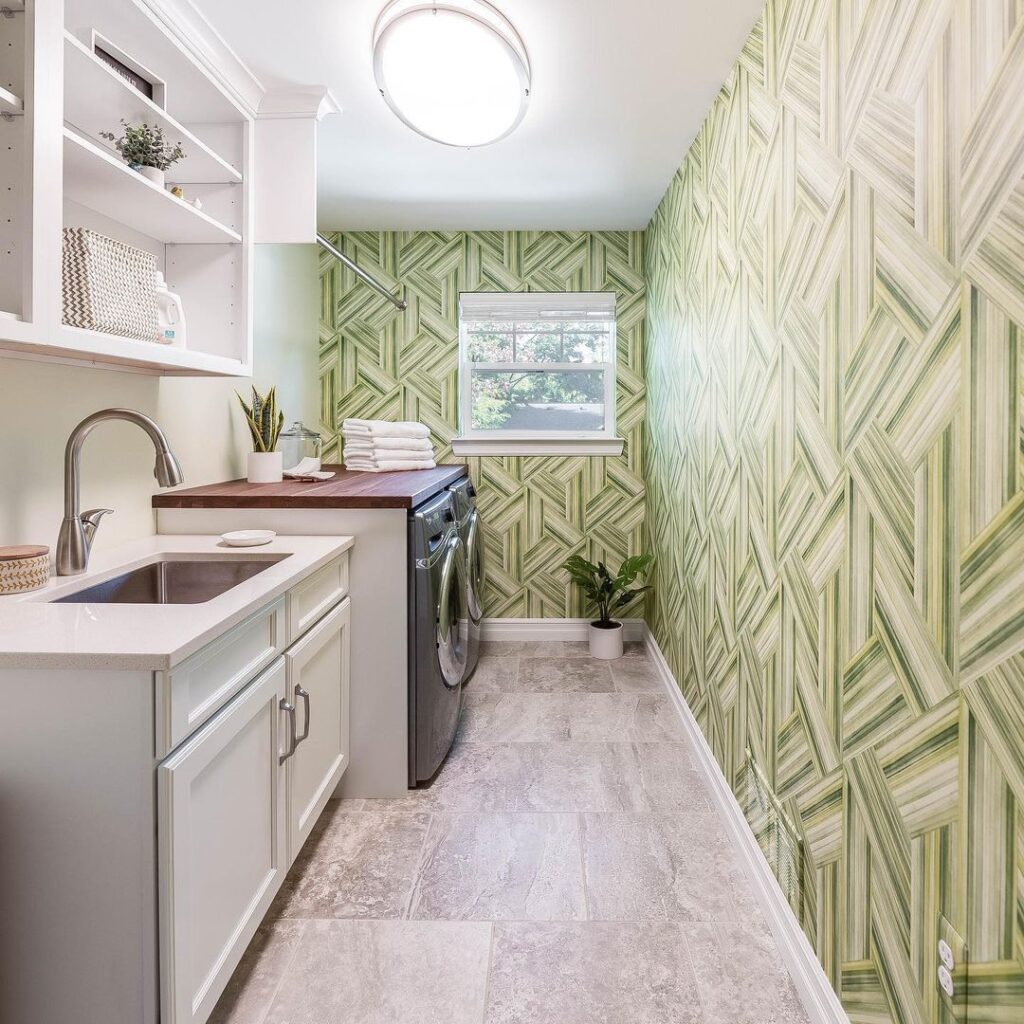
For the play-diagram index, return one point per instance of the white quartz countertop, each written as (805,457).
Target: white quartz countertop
(37,634)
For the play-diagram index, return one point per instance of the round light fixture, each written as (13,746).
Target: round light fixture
(456,72)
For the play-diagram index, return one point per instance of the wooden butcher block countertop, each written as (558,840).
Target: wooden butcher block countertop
(346,489)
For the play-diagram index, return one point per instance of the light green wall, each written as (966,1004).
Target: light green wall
(377,363)
(836,481)
(40,403)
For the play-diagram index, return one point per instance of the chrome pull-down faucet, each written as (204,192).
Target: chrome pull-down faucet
(78,529)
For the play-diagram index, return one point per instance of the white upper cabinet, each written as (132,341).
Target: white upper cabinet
(59,92)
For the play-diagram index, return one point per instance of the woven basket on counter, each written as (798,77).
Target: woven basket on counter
(108,286)
(24,568)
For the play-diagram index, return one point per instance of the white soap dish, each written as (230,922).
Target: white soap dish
(247,538)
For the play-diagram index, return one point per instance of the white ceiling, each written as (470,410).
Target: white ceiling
(619,90)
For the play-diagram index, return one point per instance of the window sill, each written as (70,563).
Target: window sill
(519,446)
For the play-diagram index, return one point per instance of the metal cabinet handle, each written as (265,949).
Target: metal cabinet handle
(304,694)
(289,709)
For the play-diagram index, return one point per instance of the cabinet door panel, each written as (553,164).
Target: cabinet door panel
(223,848)
(318,666)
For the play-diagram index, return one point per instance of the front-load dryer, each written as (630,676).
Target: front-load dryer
(467,517)
(437,644)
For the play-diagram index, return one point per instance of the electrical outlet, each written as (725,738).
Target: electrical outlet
(951,968)
(945,980)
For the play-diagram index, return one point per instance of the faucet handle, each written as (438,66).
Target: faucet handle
(91,521)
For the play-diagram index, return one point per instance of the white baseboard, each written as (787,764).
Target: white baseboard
(816,993)
(553,629)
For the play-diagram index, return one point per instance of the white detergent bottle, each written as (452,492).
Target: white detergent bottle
(170,315)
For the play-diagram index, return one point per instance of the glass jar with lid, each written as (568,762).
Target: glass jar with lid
(298,442)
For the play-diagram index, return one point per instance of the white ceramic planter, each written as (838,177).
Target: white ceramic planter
(154,174)
(606,643)
(264,467)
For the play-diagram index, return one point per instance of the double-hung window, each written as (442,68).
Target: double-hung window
(537,373)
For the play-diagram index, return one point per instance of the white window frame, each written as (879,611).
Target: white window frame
(555,306)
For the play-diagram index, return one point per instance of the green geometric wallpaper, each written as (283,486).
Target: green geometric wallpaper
(835,473)
(377,363)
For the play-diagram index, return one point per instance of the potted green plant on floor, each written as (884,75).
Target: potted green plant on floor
(608,593)
(265,464)
(143,149)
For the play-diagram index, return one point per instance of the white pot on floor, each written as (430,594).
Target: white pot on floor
(264,467)
(606,641)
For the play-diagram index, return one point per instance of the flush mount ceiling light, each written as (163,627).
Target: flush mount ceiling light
(456,72)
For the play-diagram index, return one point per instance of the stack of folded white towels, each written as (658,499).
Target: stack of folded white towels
(378,446)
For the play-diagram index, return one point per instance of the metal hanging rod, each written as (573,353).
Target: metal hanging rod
(398,303)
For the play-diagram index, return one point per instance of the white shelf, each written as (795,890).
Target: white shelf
(74,343)
(137,28)
(9,103)
(96,98)
(99,180)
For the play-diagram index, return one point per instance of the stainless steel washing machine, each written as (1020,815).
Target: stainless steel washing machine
(437,645)
(470,530)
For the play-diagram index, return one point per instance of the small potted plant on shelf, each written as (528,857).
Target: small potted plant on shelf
(608,593)
(143,149)
(265,420)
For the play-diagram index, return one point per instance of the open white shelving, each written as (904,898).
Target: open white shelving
(65,103)
(95,178)
(146,354)
(96,99)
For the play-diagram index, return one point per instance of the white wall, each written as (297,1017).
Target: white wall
(40,403)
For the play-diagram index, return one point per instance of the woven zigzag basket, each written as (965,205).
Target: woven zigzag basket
(108,286)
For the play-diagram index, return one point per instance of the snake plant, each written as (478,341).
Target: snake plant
(264,419)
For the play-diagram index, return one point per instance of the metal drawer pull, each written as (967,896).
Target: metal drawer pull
(304,694)
(290,709)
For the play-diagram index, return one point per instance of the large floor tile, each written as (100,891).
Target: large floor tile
(636,674)
(259,974)
(539,777)
(625,718)
(385,972)
(561,776)
(591,973)
(668,778)
(566,717)
(357,863)
(564,675)
(515,718)
(649,868)
(483,867)
(494,674)
(740,976)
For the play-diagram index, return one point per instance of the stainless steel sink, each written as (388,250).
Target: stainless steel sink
(173,582)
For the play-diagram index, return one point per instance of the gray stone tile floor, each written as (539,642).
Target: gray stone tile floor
(565,865)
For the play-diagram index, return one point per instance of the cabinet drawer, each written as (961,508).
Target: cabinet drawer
(313,597)
(193,691)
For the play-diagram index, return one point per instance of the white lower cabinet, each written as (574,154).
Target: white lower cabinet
(318,688)
(236,801)
(223,848)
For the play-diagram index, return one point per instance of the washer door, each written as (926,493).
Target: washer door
(451,640)
(475,562)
